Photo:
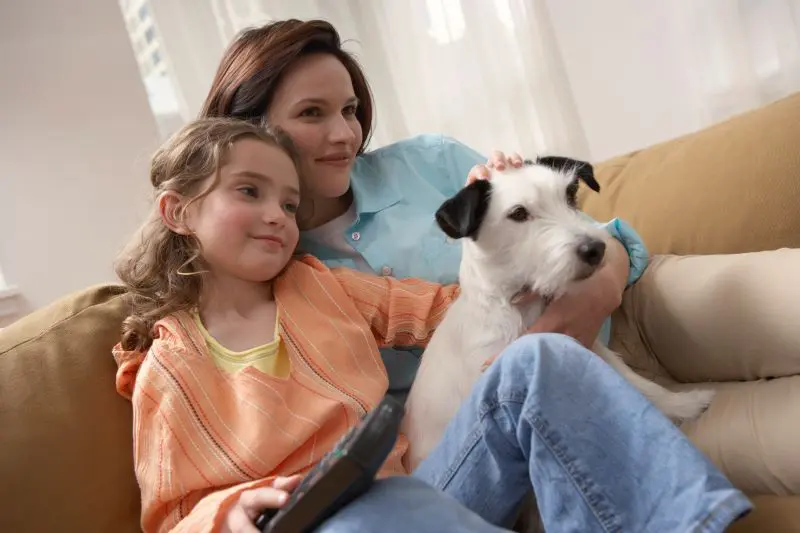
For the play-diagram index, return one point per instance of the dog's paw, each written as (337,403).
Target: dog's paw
(688,405)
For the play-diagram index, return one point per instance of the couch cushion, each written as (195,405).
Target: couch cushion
(730,319)
(750,432)
(66,456)
(733,187)
(772,514)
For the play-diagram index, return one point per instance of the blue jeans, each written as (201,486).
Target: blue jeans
(552,415)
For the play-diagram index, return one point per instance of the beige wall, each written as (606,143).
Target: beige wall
(74,116)
(75,136)
(629,81)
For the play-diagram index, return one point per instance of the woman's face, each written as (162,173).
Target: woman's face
(316,106)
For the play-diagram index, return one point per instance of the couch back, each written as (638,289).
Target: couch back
(66,456)
(730,188)
(66,450)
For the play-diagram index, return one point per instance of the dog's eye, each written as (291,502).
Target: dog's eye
(519,214)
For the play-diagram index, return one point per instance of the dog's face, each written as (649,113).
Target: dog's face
(523,226)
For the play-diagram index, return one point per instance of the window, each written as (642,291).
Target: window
(153,61)
(747,53)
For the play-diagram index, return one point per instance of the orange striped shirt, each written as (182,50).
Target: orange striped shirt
(202,436)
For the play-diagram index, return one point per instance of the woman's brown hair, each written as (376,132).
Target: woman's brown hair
(255,62)
(161,269)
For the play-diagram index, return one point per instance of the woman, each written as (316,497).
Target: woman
(373,211)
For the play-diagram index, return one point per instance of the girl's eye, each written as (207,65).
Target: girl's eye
(249,191)
(290,208)
(311,112)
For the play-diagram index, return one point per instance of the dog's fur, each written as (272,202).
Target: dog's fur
(521,233)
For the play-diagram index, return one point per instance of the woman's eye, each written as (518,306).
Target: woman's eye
(249,191)
(350,110)
(519,214)
(311,112)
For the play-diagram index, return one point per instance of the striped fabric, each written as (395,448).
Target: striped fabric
(202,435)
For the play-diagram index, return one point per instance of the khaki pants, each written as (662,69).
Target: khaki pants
(731,322)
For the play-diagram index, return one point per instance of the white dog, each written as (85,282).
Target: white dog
(521,233)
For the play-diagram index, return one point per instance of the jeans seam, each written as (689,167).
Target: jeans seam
(470,442)
(487,408)
(714,513)
(582,486)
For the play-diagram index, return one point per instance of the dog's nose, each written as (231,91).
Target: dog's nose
(591,252)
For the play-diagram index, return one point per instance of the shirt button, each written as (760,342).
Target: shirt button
(355,236)
(386,271)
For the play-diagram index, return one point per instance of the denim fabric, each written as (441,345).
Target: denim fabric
(552,415)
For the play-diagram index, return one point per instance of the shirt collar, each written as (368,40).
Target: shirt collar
(373,191)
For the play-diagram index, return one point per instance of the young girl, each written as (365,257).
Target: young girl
(245,365)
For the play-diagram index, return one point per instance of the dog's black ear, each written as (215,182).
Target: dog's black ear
(583,171)
(462,215)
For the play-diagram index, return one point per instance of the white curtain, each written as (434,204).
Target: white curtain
(484,71)
(741,54)
(490,72)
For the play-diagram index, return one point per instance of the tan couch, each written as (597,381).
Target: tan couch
(65,452)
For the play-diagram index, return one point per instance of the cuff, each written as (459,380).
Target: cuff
(634,245)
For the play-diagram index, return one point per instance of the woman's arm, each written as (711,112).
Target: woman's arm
(581,312)
(617,267)
(401,312)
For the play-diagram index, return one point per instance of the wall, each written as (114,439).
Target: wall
(76,129)
(75,137)
(624,60)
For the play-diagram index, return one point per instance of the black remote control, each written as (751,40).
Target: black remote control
(343,474)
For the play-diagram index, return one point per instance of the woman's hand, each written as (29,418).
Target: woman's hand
(251,503)
(581,312)
(498,161)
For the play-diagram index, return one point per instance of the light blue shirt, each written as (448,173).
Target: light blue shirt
(397,189)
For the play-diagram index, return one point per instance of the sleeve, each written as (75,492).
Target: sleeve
(165,507)
(128,363)
(456,161)
(169,503)
(634,245)
(399,312)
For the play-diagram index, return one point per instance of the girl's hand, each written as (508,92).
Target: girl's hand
(251,503)
(498,161)
(581,312)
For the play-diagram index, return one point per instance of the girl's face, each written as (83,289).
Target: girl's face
(316,106)
(246,225)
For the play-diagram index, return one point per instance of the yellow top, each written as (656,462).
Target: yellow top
(270,358)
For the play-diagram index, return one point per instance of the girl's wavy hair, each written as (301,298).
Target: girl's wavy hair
(161,269)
